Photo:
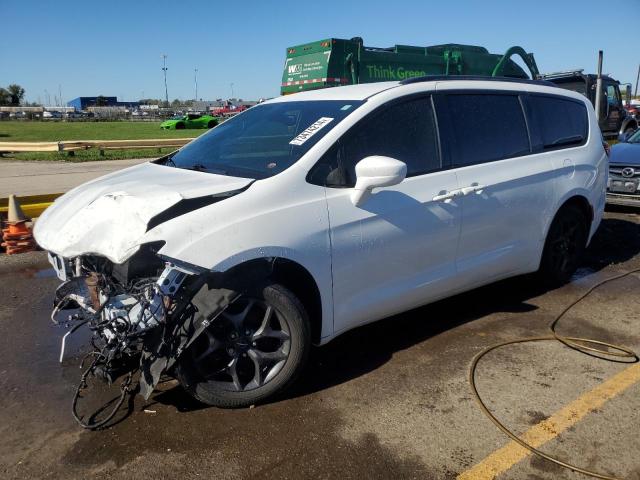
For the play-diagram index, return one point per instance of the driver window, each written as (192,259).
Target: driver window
(404,131)
(613,95)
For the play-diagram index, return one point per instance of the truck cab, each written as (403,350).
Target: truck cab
(613,118)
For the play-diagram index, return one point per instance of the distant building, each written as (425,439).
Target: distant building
(83,103)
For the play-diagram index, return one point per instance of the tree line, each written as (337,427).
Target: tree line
(12,95)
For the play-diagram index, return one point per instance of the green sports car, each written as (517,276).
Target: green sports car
(191,120)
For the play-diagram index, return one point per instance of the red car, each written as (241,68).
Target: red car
(228,110)
(633,110)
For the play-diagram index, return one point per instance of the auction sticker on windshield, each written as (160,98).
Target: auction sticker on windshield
(311,130)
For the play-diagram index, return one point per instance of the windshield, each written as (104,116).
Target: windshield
(264,140)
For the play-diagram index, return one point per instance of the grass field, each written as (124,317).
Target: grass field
(19,131)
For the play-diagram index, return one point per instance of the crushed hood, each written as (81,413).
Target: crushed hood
(109,216)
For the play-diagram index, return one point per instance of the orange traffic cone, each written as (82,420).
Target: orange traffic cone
(17,236)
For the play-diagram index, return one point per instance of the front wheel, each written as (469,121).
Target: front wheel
(564,247)
(179,126)
(253,350)
(212,123)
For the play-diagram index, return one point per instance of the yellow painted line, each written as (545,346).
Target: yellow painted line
(504,458)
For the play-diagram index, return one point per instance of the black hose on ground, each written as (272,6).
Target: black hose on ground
(587,346)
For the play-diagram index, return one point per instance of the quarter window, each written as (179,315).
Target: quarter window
(486,127)
(561,123)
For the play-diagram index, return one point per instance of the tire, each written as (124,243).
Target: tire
(278,348)
(179,126)
(212,123)
(564,246)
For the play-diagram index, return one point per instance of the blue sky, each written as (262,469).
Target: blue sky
(114,47)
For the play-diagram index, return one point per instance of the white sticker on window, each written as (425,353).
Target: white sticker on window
(311,130)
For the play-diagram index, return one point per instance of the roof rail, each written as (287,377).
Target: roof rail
(577,71)
(441,78)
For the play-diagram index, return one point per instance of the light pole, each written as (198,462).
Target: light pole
(164,69)
(195,79)
(598,102)
(231,84)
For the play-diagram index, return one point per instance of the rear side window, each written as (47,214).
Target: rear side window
(404,131)
(486,127)
(561,123)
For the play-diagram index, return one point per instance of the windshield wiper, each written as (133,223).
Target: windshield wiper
(199,167)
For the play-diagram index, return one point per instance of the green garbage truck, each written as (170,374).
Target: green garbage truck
(333,62)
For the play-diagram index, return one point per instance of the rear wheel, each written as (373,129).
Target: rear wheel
(212,123)
(564,247)
(254,349)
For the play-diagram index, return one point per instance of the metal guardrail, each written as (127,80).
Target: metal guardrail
(75,145)
(32,205)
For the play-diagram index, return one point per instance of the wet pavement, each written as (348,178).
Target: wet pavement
(389,400)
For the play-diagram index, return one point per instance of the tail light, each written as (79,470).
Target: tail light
(607,148)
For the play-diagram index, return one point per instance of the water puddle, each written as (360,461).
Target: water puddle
(30,272)
(46,273)
(582,273)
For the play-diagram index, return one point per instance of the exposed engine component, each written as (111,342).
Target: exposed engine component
(120,317)
(142,315)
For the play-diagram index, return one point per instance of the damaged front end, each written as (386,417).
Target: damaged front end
(139,313)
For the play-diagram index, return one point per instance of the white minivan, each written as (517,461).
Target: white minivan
(314,213)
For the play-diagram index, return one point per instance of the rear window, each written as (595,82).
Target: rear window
(561,122)
(486,127)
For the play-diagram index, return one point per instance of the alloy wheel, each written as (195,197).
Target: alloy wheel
(244,348)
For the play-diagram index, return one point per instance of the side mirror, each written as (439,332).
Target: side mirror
(374,172)
(622,138)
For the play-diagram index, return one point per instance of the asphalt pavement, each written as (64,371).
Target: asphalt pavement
(44,177)
(389,400)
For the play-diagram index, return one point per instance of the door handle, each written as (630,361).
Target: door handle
(445,196)
(477,188)
(473,188)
